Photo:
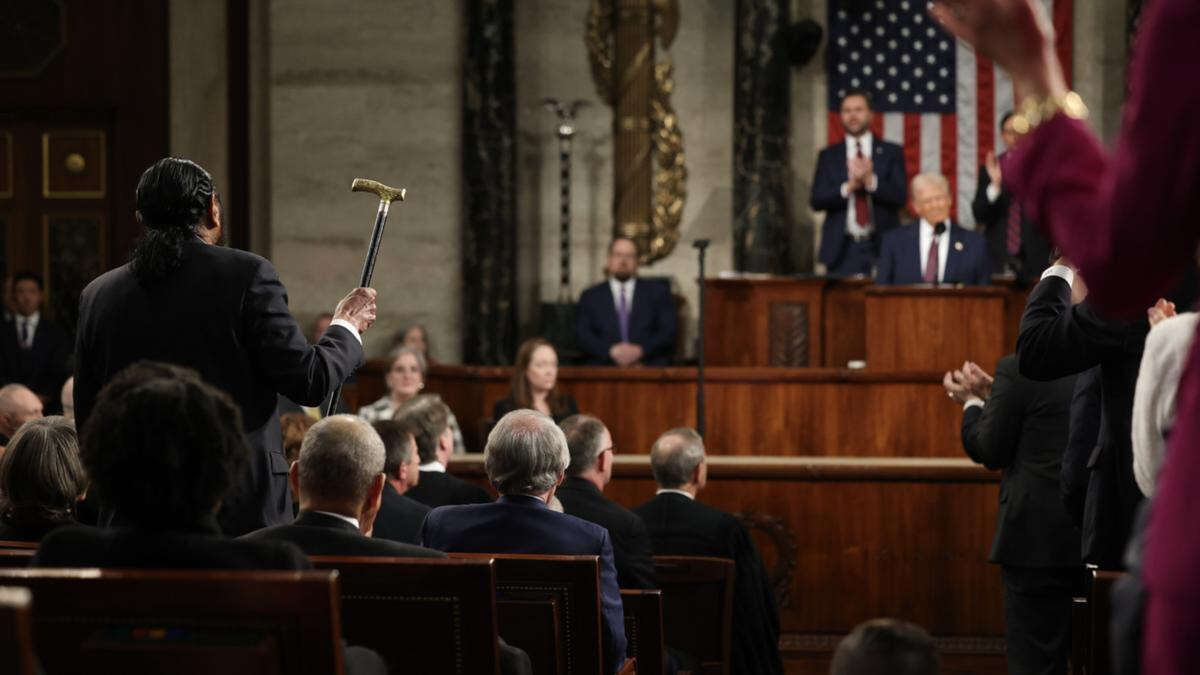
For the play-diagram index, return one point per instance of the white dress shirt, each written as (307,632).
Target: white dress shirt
(32,320)
(432,466)
(867,142)
(926,240)
(348,519)
(1062,272)
(627,286)
(673,491)
(348,326)
(1167,347)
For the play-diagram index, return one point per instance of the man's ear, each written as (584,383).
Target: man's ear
(561,477)
(603,460)
(370,507)
(294,480)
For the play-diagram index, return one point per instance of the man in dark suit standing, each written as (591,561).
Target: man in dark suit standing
(35,350)
(860,185)
(679,525)
(339,480)
(400,517)
(934,250)
(429,419)
(582,496)
(1014,245)
(1020,426)
(526,458)
(626,321)
(1062,335)
(184,299)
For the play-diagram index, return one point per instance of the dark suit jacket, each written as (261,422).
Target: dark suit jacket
(223,313)
(1034,255)
(891,193)
(682,526)
(900,257)
(399,517)
(507,404)
(1058,339)
(1087,418)
(631,543)
(322,534)
(44,367)
(200,546)
(521,524)
(442,489)
(12,532)
(1022,429)
(651,322)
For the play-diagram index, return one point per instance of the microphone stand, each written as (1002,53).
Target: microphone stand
(700,245)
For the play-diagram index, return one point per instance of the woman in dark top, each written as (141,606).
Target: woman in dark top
(534,381)
(41,479)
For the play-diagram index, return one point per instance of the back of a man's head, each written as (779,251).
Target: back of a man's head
(886,647)
(398,437)
(18,404)
(339,459)
(429,416)
(584,437)
(526,454)
(173,197)
(675,456)
(162,447)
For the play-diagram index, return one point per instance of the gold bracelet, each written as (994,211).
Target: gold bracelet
(1033,111)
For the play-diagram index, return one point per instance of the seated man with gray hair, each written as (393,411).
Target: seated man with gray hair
(18,405)
(339,482)
(526,458)
(934,250)
(679,525)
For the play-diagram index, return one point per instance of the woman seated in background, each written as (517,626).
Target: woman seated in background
(417,337)
(405,379)
(41,479)
(534,378)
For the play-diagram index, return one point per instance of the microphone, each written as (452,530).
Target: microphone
(700,244)
(939,229)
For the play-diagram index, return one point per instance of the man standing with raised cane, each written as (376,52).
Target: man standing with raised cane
(186,300)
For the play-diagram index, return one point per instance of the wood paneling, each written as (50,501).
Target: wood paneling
(738,330)
(845,322)
(750,411)
(899,537)
(922,328)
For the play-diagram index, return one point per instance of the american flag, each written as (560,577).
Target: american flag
(931,93)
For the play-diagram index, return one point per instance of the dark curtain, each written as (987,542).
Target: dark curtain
(762,222)
(489,233)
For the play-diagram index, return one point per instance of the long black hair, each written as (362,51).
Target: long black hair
(173,197)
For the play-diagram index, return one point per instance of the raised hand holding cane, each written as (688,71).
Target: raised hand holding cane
(364,294)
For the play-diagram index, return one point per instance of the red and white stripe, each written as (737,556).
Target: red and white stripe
(956,144)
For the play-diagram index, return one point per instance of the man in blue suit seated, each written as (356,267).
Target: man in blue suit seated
(626,321)
(859,184)
(526,459)
(934,250)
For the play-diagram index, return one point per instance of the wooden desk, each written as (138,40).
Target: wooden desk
(849,539)
(935,328)
(750,411)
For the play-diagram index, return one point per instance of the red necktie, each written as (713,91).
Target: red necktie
(1014,227)
(861,215)
(931,262)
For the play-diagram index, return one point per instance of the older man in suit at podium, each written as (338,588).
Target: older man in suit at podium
(626,321)
(935,250)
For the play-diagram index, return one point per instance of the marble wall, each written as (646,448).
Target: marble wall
(370,89)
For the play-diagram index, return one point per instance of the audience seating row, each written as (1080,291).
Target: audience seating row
(420,615)
(1091,643)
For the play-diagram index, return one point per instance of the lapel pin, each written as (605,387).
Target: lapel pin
(958,246)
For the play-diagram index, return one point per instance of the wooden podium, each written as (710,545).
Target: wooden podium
(793,322)
(935,327)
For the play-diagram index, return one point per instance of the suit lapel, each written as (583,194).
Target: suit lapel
(957,249)
(914,253)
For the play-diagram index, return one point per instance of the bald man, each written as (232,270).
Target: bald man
(18,405)
(934,250)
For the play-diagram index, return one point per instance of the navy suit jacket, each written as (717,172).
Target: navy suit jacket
(651,322)
(523,524)
(43,367)
(891,193)
(900,257)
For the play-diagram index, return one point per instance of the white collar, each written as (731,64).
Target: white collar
(673,491)
(866,140)
(348,519)
(433,466)
(32,318)
(925,224)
